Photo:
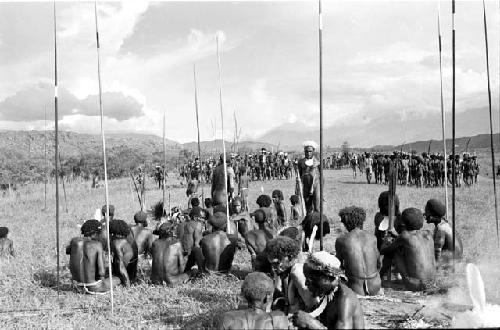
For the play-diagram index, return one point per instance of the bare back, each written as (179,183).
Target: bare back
(218,251)
(248,319)
(143,238)
(86,260)
(167,260)
(358,253)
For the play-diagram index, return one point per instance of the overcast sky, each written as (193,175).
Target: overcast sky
(380,58)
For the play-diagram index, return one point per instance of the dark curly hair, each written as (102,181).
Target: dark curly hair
(264,201)
(281,247)
(260,216)
(292,232)
(294,199)
(4,231)
(313,219)
(352,217)
(383,203)
(142,218)
(111,210)
(118,228)
(256,287)
(208,202)
(195,201)
(278,194)
(91,227)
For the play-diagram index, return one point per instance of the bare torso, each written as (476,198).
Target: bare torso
(168,261)
(218,251)
(251,319)
(143,238)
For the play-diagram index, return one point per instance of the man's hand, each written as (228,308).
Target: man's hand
(303,320)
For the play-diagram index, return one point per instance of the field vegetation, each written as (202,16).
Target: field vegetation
(29,298)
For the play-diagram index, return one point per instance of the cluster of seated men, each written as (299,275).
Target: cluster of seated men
(290,285)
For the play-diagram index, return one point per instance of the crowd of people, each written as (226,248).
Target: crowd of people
(425,170)
(290,285)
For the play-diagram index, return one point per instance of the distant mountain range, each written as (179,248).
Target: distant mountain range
(73,144)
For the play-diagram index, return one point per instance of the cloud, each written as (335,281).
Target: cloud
(27,104)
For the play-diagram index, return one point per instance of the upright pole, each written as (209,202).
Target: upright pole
(491,123)
(164,163)
(320,35)
(56,156)
(443,121)
(197,127)
(45,159)
(453,163)
(104,154)
(222,134)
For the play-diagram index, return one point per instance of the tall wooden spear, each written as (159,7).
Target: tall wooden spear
(103,153)
(443,125)
(198,128)
(453,163)
(491,123)
(164,163)
(45,159)
(223,142)
(320,36)
(56,151)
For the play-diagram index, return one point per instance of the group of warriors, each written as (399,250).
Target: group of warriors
(425,170)
(290,285)
(266,165)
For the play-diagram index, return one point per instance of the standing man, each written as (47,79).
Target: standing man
(309,168)
(218,191)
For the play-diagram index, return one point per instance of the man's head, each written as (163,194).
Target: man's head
(313,219)
(281,253)
(321,271)
(258,288)
(218,221)
(412,219)
(277,195)
(118,229)
(141,218)
(264,201)
(236,203)
(111,211)
(4,231)
(166,230)
(195,201)
(294,199)
(208,202)
(292,232)
(259,216)
(309,147)
(91,228)
(434,211)
(352,217)
(383,203)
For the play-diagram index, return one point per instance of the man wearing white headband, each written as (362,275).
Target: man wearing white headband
(339,307)
(309,177)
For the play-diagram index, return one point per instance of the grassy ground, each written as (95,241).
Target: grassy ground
(27,283)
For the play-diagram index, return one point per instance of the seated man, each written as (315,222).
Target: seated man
(435,212)
(86,261)
(257,289)
(217,249)
(412,251)
(168,258)
(124,252)
(339,307)
(264,202)
(143,237)
(190,233)
(358,253)
(240,218)
(296,209)
(257,239)
(6,245)
(310,225)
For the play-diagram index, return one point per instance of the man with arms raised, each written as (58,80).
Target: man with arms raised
(86,261)
(435,212)
(217,249)
(124,252)
(412,251)
(257,289)
(358,253)
(339,307)
(143,237)
(308,168)
(168,257)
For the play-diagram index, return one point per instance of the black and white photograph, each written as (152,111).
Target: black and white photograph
(258,164)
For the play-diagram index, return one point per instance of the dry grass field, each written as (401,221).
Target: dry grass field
(29,299)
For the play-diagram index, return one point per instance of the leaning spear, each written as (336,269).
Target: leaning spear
(103,153)
(223,143)
(491,124)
